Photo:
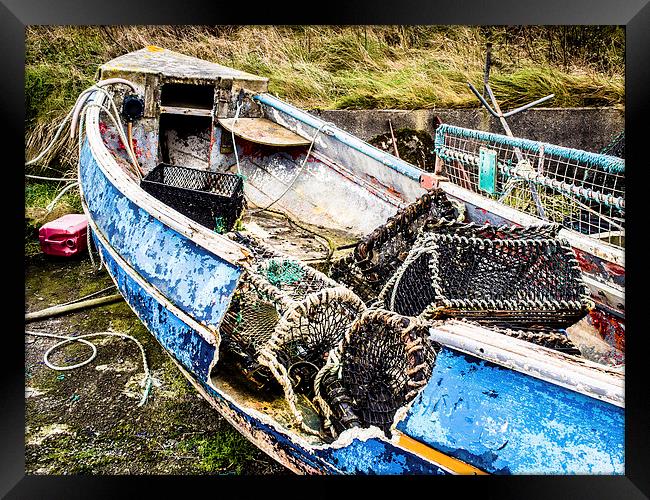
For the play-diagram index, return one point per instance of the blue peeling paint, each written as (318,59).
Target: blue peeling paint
(375,456)
(505,422)
(182,341)
(193,352)
(547,429)
(197,281)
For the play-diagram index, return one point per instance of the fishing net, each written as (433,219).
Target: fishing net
(490,274)
(373,261)
(285,318)
(381,364)
(247,325)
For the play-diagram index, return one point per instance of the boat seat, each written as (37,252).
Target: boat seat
(263,131)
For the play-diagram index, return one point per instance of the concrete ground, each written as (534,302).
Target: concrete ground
(87,420)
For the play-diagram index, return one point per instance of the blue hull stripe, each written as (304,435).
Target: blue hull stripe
(191,350)
(495,419)
(505,422)
(195,355)
(376,456)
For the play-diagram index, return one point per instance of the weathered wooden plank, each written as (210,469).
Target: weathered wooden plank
(57,310)
(263,131)
(591,379)
(584,243)
(177,110)
(170,64)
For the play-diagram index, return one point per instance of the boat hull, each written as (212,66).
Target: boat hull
(179,279)
(172,313)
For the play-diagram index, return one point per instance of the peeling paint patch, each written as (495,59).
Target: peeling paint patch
(183,342)
(532,427)
(197,281)
(375,456)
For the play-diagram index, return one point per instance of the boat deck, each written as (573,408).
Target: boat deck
(305,242)
(268,401)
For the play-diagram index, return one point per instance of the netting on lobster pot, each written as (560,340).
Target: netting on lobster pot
(379,367)
(490,274)
(286,319)
(248,325)
(367,269)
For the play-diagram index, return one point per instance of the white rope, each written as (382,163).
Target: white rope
(146,382)
(67,188)
(89,243)
(76,114)
(71,114)
(53,141)
(232,133)
(48,178)
(302,167)
(87,296)
(118,127)
(332,365)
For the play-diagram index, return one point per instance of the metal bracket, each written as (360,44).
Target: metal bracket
(497,113)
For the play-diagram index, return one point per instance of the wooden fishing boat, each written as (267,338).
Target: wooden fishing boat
(486,403)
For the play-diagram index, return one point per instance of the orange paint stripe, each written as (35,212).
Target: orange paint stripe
(422,450)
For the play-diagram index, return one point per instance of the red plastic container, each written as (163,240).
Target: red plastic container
(65,236)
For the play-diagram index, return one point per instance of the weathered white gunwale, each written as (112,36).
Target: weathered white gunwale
(579,241)
(580,375)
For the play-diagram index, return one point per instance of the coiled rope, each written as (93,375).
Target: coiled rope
(147,379)
(76,115)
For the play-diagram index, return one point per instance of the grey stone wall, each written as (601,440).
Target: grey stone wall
(589,129)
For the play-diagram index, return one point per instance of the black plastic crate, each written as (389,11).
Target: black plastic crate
(213,199)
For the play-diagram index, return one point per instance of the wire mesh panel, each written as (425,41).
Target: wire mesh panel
(213,199)
(384,360)
(582,191)
(373,261)
(491,274)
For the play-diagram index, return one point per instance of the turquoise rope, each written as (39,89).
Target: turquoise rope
(611,164)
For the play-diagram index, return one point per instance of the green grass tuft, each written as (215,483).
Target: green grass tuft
(334,67)
(224,453)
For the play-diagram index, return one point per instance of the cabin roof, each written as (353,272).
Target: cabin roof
(172,64)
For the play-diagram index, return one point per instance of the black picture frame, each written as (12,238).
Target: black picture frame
(634,14)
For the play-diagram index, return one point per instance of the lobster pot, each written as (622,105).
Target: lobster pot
(498,275)
(373,261)
(213,199)
(384,361)
(286,316)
